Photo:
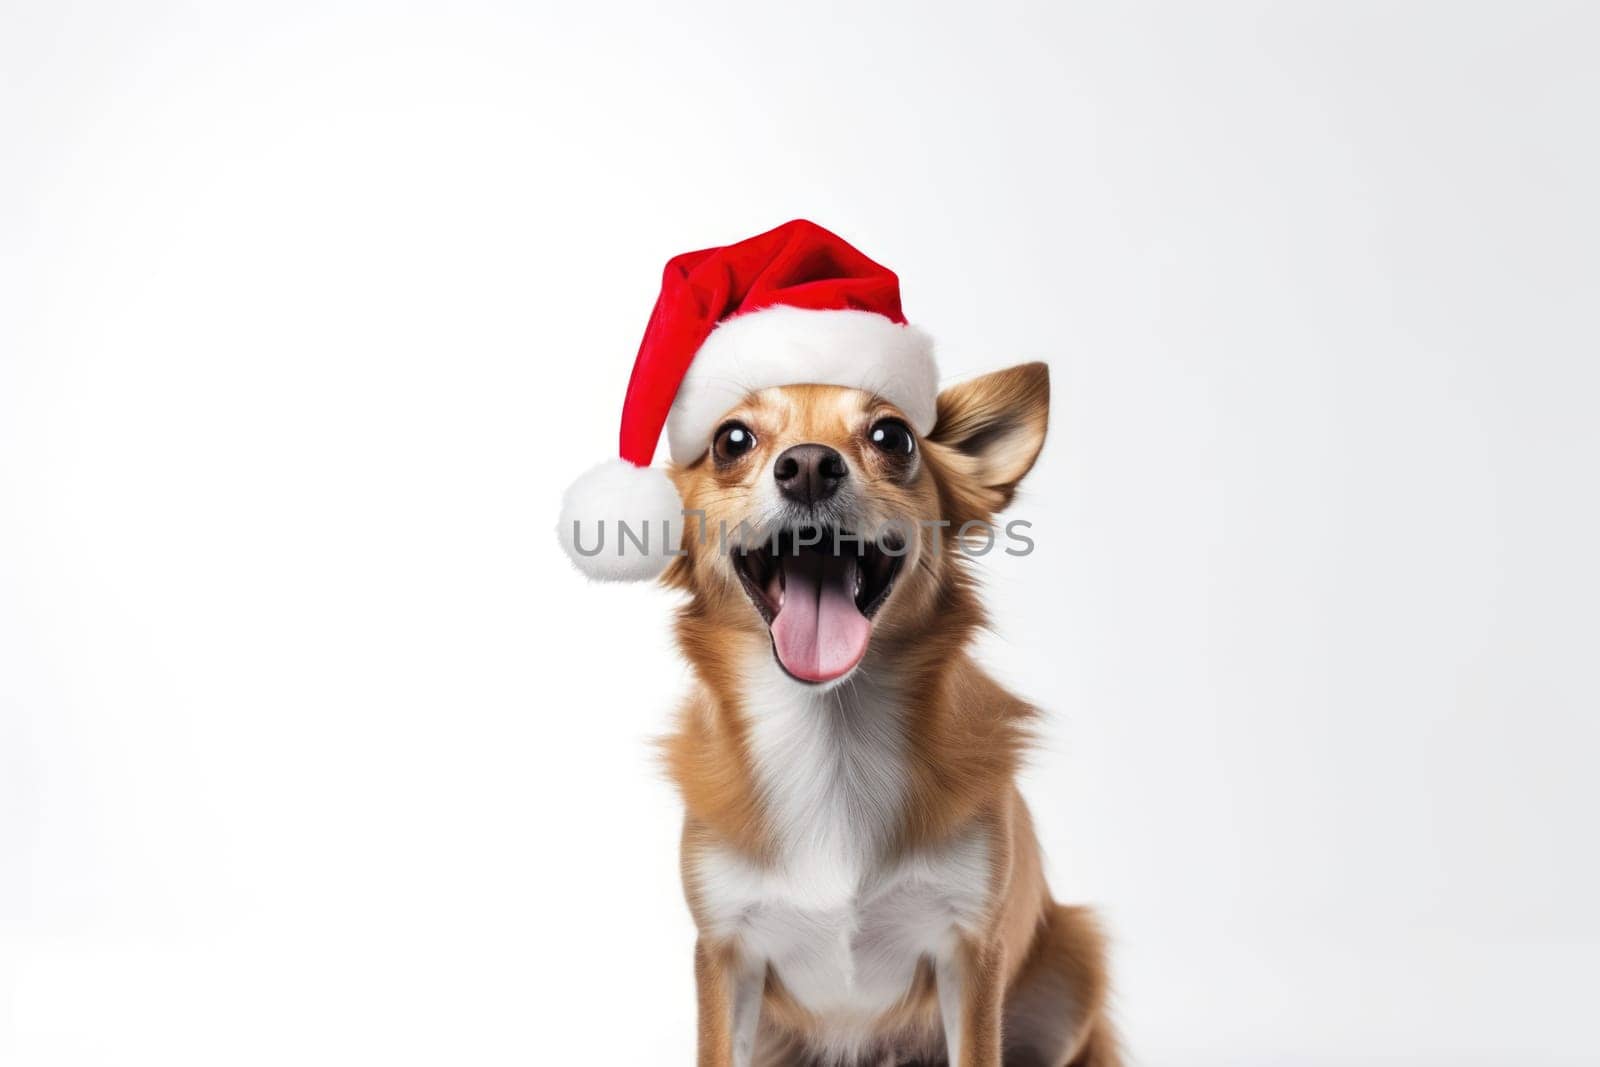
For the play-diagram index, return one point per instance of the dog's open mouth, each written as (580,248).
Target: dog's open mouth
(818,589)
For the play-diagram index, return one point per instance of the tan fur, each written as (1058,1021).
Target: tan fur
(1035,982)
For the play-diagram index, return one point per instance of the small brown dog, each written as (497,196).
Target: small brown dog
(862,869)
(860,865)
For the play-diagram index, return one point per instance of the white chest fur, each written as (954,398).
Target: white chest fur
(842,926)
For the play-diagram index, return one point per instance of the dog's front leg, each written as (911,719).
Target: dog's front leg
(729,992)
(971,983)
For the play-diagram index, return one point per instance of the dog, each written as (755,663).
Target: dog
(859,863)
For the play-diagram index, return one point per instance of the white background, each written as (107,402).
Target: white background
(313,749)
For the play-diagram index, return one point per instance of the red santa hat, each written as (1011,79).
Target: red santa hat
(795,305)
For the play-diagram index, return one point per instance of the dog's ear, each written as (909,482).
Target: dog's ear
(992,428)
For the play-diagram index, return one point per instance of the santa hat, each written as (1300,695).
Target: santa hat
(792,306)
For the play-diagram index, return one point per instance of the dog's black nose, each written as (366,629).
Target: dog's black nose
(809,474)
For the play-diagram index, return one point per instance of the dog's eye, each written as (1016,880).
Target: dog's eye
(733,441)
(893,437)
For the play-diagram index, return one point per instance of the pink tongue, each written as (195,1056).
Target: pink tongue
(818,633)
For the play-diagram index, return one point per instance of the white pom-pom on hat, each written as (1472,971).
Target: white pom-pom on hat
(621,523)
